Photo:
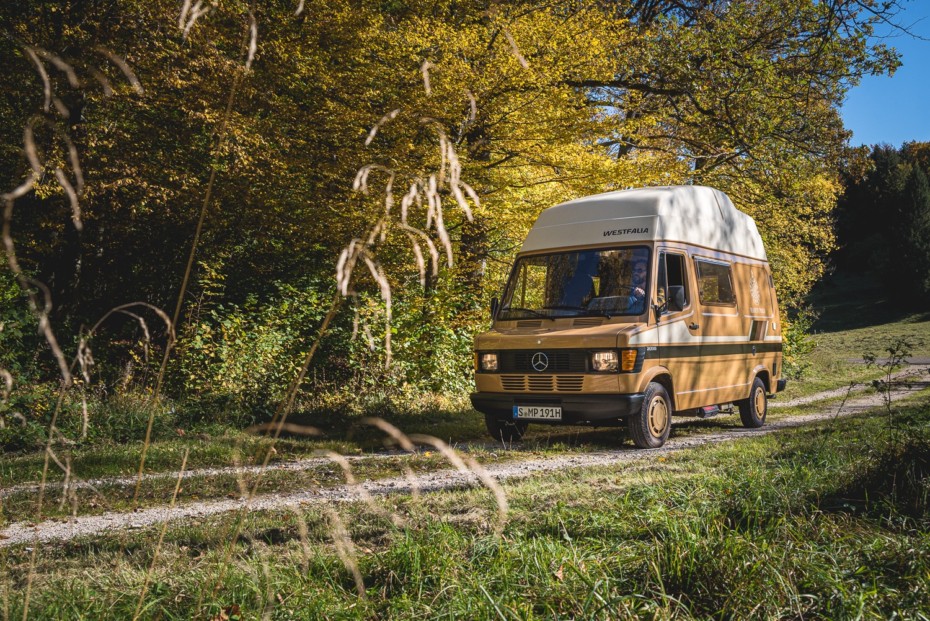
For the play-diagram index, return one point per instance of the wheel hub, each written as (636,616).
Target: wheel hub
(760,403)
(658,417)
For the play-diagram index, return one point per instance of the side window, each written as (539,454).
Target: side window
(671,273)
(715,282)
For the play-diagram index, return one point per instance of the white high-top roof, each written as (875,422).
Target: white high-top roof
(684,213)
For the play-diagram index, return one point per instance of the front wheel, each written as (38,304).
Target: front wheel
(650,427)
(504,430)
(752,411)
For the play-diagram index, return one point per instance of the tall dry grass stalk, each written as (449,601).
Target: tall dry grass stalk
(399,438)
(469,465)
(427,192)
(423,191)
(191,15)
(161,539)
(41,309)
(361,491)
(345,549)
(6,389)
(463,463)
(71,183)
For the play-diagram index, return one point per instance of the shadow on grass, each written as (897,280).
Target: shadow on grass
(895,487)
(456,427)
(847,302)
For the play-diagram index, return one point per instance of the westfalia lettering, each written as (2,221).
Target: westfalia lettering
(639,231)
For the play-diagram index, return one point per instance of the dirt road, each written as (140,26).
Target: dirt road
(83,526)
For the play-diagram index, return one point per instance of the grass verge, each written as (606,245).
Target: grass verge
(825,522)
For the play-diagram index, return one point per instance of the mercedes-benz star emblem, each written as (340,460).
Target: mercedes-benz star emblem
(540,361)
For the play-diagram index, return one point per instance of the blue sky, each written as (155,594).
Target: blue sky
(896,109)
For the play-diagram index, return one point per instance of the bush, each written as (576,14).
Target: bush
(26,414)
(18,328)
(797,343)
(124,418)
(245,356)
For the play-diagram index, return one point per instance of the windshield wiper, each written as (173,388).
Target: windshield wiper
(565,307)
(528,310)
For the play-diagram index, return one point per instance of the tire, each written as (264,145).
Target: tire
(650,427)
(752,411)
(504,430)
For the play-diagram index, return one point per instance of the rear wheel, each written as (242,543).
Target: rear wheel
(504,430)
(650,427)
(752,411)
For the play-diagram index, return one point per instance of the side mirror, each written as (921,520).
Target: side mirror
(676,298)
(495,304)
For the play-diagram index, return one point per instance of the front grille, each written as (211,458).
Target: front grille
(560,361)
(514,382)
(542,383)
(569,383)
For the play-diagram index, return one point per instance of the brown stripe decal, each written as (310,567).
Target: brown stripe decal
(710,349)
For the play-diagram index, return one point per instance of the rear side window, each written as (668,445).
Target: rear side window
(715,282)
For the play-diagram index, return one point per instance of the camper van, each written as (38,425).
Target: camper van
(628,308)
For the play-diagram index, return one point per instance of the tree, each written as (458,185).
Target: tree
(884,220)
(910,240)
(542,102)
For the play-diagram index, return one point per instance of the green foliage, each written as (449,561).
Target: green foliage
(124,418)
(82,419)
(433,339)
(797,343)
(244,356)
(18,328)
(911,278)
(26,414)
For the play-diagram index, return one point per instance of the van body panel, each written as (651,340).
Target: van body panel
(651,374)
(605,337)
(765,372)
(709,351)
(692,214)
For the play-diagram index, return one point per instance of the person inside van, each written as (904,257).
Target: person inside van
(637,301)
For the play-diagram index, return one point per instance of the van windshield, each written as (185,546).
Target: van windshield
(603,282)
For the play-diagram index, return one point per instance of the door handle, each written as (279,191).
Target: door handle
(693,326)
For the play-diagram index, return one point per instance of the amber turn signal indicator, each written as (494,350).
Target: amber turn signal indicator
(627,359)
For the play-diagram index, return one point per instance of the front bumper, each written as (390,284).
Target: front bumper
(598,410)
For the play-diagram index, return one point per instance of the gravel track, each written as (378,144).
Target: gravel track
(913,370)
(310,463)
(84,526)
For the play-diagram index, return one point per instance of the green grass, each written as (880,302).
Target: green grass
(837,358)
(111,468)
(854,319)
(825,522)
(118,494)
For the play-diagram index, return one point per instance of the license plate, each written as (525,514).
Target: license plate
(538,412)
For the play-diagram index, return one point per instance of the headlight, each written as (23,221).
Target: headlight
(489,362)
(604,361)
